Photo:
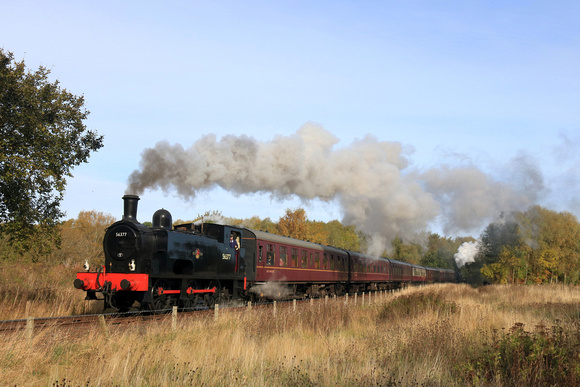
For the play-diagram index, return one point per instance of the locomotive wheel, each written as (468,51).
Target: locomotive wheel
(160,302)
(121,302)
(214,298)
(192,299)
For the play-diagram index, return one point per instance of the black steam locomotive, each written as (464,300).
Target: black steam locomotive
(199,265)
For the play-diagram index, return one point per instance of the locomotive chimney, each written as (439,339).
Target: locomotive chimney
(130,207)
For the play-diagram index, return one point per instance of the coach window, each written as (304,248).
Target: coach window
(317,260)
(332,262)
(294,257)
(270,255)
(260,254)
(283,256)
(304,258)
(325,262)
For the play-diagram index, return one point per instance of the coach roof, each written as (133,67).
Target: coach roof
(266,236)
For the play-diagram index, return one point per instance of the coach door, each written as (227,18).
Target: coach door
(261,258)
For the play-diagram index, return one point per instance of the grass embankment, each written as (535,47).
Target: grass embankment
(46,289)
(436,335)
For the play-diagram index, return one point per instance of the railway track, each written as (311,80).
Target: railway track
(56,322)
(110,320)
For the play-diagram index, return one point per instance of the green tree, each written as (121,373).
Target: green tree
(42,137)
(406,252)
(344,237)
(496,236)
(261,224)
(440,251)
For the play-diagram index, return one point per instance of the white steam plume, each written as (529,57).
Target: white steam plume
(466,253)
(368,179)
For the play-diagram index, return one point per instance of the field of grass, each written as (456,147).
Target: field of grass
(438,335)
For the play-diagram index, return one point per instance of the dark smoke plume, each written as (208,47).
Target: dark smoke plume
(369,179)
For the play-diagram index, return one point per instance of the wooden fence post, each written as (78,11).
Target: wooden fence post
(104,326)
(216,312)
(174,318)
(28,311)
(29,329)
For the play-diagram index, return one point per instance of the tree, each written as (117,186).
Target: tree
(263,225)
(406,252)
(440,252)
(82,239)
(294,224)
(536,246)
(42,137)
(344,237)
(555,237)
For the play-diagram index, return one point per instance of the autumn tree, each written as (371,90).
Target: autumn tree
(82,239)
(535,246)
(317,232)
(554,239)
(294,224)
(42,137)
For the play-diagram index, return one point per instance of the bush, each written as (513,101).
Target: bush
(415,304)
(520,358)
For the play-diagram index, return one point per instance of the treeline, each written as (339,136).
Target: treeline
(75,241)
(532,247)
(80,240)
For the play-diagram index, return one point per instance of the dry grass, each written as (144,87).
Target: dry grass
(437,343)
(42,290)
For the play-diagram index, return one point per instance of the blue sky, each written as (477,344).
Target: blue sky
(456,83)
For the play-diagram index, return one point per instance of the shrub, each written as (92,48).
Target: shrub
(518,358)
(415,304)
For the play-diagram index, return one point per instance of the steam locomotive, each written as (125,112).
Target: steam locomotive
(198,265)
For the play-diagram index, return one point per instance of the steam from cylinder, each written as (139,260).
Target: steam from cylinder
(371,180)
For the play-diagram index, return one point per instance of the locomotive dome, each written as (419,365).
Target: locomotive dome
(162,219)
